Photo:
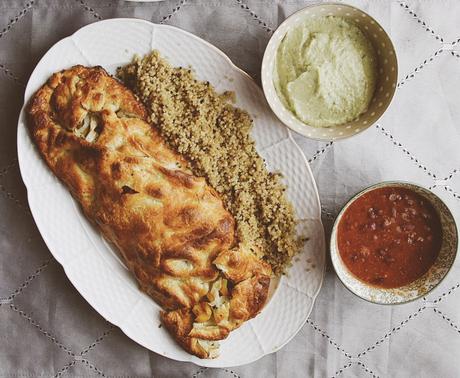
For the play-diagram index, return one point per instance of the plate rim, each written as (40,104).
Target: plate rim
(22,119)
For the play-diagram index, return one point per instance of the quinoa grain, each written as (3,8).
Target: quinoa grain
(214,136)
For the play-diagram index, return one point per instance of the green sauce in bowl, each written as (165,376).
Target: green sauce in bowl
(326,71)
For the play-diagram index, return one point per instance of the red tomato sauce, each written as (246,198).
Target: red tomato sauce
(389,237)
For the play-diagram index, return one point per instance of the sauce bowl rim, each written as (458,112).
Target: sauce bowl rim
(334,250)
(265,68)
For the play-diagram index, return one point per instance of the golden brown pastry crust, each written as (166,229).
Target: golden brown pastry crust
(248,299)
(240,264)
(168,224)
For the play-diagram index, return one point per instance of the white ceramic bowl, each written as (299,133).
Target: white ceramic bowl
(422,285)
(387,71)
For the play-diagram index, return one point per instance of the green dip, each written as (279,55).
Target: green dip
(326,71)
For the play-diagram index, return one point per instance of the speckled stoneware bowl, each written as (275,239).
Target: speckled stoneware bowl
(421,286)
(387,71)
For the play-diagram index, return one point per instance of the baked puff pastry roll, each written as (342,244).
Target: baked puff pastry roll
(229,303)
(171,228)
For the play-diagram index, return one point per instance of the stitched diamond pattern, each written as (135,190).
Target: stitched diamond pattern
(41,311)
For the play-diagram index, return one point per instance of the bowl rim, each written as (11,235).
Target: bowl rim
(367,189)
(264,67)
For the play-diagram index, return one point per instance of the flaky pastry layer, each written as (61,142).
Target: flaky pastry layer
(169,225)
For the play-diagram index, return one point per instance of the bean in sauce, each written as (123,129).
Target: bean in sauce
(389,237)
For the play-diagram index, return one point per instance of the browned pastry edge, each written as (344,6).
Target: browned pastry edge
(97,174)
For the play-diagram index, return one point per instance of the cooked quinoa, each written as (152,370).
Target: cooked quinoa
(214,136)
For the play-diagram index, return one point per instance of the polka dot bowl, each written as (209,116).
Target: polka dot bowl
(386,81)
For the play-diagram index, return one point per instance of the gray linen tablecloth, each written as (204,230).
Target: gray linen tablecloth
(47,328)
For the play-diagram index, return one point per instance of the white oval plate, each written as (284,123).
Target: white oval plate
(93,266)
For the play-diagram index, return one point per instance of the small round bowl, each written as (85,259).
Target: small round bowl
(387,71)
(422,285)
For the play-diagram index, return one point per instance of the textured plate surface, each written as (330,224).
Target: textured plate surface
(90,262)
